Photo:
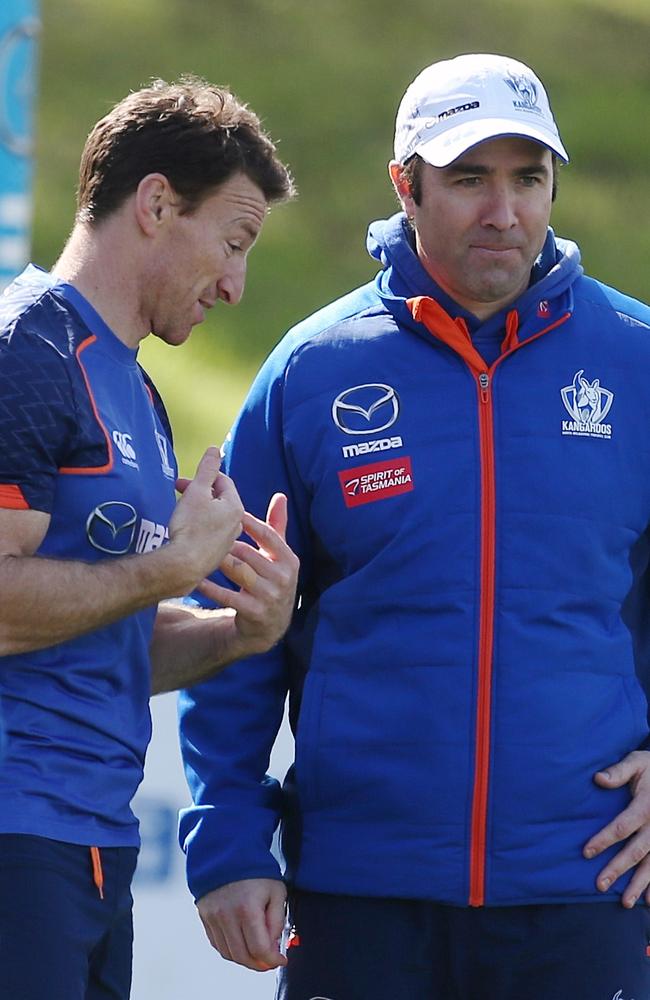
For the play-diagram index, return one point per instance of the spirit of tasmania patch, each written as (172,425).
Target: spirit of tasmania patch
(367,483)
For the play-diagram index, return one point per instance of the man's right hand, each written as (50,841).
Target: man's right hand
(244,922)
(75,597)
(207,519)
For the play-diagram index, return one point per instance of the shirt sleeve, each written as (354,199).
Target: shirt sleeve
(37,420)
(228,725)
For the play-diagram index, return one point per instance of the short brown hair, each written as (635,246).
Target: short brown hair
(194,133)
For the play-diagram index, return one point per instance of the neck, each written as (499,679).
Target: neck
(94,262)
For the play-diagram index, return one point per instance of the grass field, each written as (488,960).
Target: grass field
(326,79)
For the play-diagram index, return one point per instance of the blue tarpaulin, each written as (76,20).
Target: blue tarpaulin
(19,28)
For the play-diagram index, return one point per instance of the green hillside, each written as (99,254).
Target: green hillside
(327,78)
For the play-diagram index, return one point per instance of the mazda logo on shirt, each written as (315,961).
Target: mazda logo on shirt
(111,526)
(366,409)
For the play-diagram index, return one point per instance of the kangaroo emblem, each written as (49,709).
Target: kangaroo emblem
(524,88)
(586,402)
(587,397)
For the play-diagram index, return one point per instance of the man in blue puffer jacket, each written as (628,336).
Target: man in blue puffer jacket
(463,442)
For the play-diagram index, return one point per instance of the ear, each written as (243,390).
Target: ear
(402,187)
(154,203)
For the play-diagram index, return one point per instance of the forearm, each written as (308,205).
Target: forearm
(191,644)
(48,601)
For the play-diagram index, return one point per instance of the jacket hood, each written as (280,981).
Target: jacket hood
(390,241)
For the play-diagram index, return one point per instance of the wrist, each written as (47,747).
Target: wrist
(171,570)
(231,644)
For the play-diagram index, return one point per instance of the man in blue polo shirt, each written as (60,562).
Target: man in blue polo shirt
(174,187)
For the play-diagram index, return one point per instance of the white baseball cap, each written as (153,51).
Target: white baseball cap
(457,103)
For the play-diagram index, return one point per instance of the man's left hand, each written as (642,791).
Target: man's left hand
(632,825)
(267,576)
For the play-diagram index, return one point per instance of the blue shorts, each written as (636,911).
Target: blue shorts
(58,938)
(347,948)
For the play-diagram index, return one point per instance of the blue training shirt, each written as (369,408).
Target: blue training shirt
(84,438)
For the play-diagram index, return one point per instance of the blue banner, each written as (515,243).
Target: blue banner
(19,28)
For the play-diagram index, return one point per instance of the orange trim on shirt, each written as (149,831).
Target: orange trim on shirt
(99,468)
(12,497)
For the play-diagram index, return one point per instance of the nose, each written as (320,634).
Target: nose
(230,287)
(500,208)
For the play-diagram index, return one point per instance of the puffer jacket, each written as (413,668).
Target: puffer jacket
(466,651)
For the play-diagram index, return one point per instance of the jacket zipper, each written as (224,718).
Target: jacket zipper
(441,326)
(483,742)
(486,642)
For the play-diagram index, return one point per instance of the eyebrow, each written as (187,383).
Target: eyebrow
(482,170)
(250,230)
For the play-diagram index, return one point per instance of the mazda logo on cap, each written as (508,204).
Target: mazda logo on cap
(366,409)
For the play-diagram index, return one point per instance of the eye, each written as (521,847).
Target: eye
(470,181)
(530,180)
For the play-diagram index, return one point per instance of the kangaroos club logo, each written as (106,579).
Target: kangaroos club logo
(588,404)
(526,92)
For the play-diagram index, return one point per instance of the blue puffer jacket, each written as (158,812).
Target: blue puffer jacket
(474,550)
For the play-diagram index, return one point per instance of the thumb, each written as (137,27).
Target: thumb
(616,775)
(275,918)
(277,514)
(208,468)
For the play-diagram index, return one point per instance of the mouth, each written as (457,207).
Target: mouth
(199,310)
(486,248)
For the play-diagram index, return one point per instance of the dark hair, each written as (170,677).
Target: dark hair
(194,133)
(412,172)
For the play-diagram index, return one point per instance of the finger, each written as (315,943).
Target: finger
(236,946)
(238,571)
(267,538)
(221,945)
(224,488)
(638,884)
(182,483)
(275,917)
(278,569)
(620,828)
(231,942)
(260,944)
(633,854)
(215,937)
(237,600)
(277,514)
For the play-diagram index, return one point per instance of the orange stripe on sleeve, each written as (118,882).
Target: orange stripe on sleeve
(12,498)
